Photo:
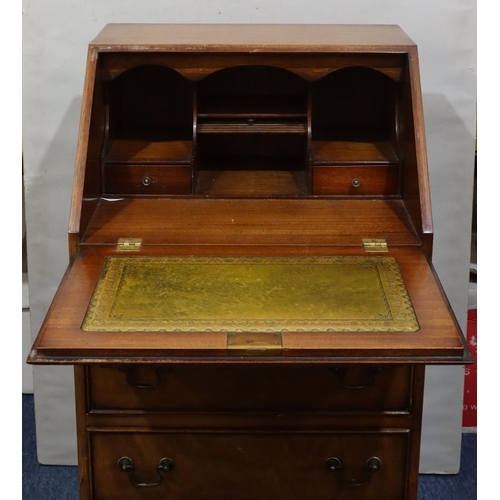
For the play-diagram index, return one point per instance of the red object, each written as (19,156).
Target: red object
(470,388)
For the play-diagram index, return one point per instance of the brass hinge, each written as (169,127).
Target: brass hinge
(254,343)
(129,245)
(375,245)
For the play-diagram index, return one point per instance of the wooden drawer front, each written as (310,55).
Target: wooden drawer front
(247,466)
(147,179)
(250,388)
(356,180)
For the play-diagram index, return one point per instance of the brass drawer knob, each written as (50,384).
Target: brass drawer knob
(126,464)
(372,465)
(356,183)
(146,180)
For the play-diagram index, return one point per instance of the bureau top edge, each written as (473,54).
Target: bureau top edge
(252,38)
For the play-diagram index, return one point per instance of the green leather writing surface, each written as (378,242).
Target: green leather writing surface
(250,294)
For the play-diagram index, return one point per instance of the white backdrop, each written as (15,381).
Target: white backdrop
(55,38)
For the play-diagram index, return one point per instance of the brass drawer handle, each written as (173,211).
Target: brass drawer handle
(356,183)
(372,465)
(126,464)
(371,376)
(146,180)
(133,381)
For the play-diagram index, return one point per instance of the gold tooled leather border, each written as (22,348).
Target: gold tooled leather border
(360,293)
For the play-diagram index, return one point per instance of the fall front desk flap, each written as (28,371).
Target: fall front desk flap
(111,307)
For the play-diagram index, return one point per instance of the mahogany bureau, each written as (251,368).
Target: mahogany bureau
(250,302)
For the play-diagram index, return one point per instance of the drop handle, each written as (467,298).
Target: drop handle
(126,464)
(372,465)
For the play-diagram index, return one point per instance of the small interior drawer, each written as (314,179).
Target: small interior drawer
(147,179)
(250,388)
(356,180)
(242,465)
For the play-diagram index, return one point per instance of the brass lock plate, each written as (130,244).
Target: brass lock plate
(254,343)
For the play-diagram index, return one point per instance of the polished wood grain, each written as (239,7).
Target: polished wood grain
(83,197)
(353,152)
(252,183)
(84,480)
(196,66)
(356,180)
(61,339)
(248,465)
(254,127)
(415,175)
(247,221)
(416,431)
(215,389)
(147,179)
(149,151)
(121,49)
(237,420)
(250,140)
(250,37)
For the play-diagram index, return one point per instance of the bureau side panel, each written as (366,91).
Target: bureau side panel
(84,476)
